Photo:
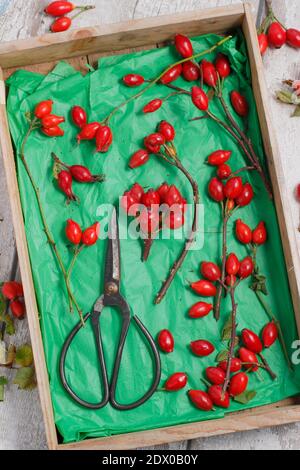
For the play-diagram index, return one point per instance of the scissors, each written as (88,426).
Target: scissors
(111,298)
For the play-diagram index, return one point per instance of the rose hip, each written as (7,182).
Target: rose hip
(139,158)
(104,139)
(223,66)
(223,171)
(167,130)
(246,267)
(233,187)
(245,196)
(59,8)
(190,71)
(176,382)
(204,288)
(200,98)
(171,75)
(12,289)
(235,366)
(248,357)
(202,348)
(79,116)
(65,181)
(293,37)
(200,310)
(153,142)
(259,235)
(89,131)
(43,109)
(238,384)
(201,400)
(263,42)
(73,232)
(183,45)
(209,73)
(252,341)
(232,264)
(216,190)
(269,334)
(210,271)
(174,220)
(51,120)
(218,157)
(17,308)
(152,106)
(83,175)
(61,24)
(215,375)
(90,235)
(239,103)
(53,131)
(149,221)
(276,35)
(166,341)
(133,79)
(243,232)
(217,396)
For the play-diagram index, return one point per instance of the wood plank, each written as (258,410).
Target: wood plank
(287,411)
(116,37)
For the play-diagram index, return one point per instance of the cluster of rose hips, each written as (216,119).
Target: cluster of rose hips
(273,34)
(65,174)
(234,191)
(76,236)
(153,143)
(247,359)
(49,122)
(156,209)
(93,130)
(60,9)
(245,235)
(13,292)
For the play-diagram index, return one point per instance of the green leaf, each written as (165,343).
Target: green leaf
(56,170)
(226,332)
(3,380)
(10,326)
(245,397)
(284,96)
(24,356)
(25,378)
(296,112)
(222,356)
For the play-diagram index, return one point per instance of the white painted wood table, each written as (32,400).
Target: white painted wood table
(21,425)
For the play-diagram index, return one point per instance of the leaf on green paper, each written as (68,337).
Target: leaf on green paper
(226,332)
(245,397)
(222,356)
(24,356)
(296,112)
(259,283)
(56,170)
(25,378)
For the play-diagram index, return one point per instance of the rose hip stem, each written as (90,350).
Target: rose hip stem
(72,300)
(166,284)
(226,217)
(156,80)
(232,336)
(247,141)
(269,311)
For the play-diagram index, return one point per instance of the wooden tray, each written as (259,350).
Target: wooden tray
(87,45)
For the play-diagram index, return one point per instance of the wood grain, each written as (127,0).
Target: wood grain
(21,410)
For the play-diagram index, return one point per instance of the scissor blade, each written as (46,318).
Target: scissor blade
(112,266)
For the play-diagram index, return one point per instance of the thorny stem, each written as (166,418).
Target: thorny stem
(232,337)
(267,367)
(178,263)
(247,141)
(156,80)
(226,217)
(72,299)
(269,311)
(74,259)
(245,168)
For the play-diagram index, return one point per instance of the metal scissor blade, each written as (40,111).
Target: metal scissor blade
(112,264)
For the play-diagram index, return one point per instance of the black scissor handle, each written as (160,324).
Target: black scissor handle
(102,366)
(157,375)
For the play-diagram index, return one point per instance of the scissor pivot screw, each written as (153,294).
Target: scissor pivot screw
(111,288)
